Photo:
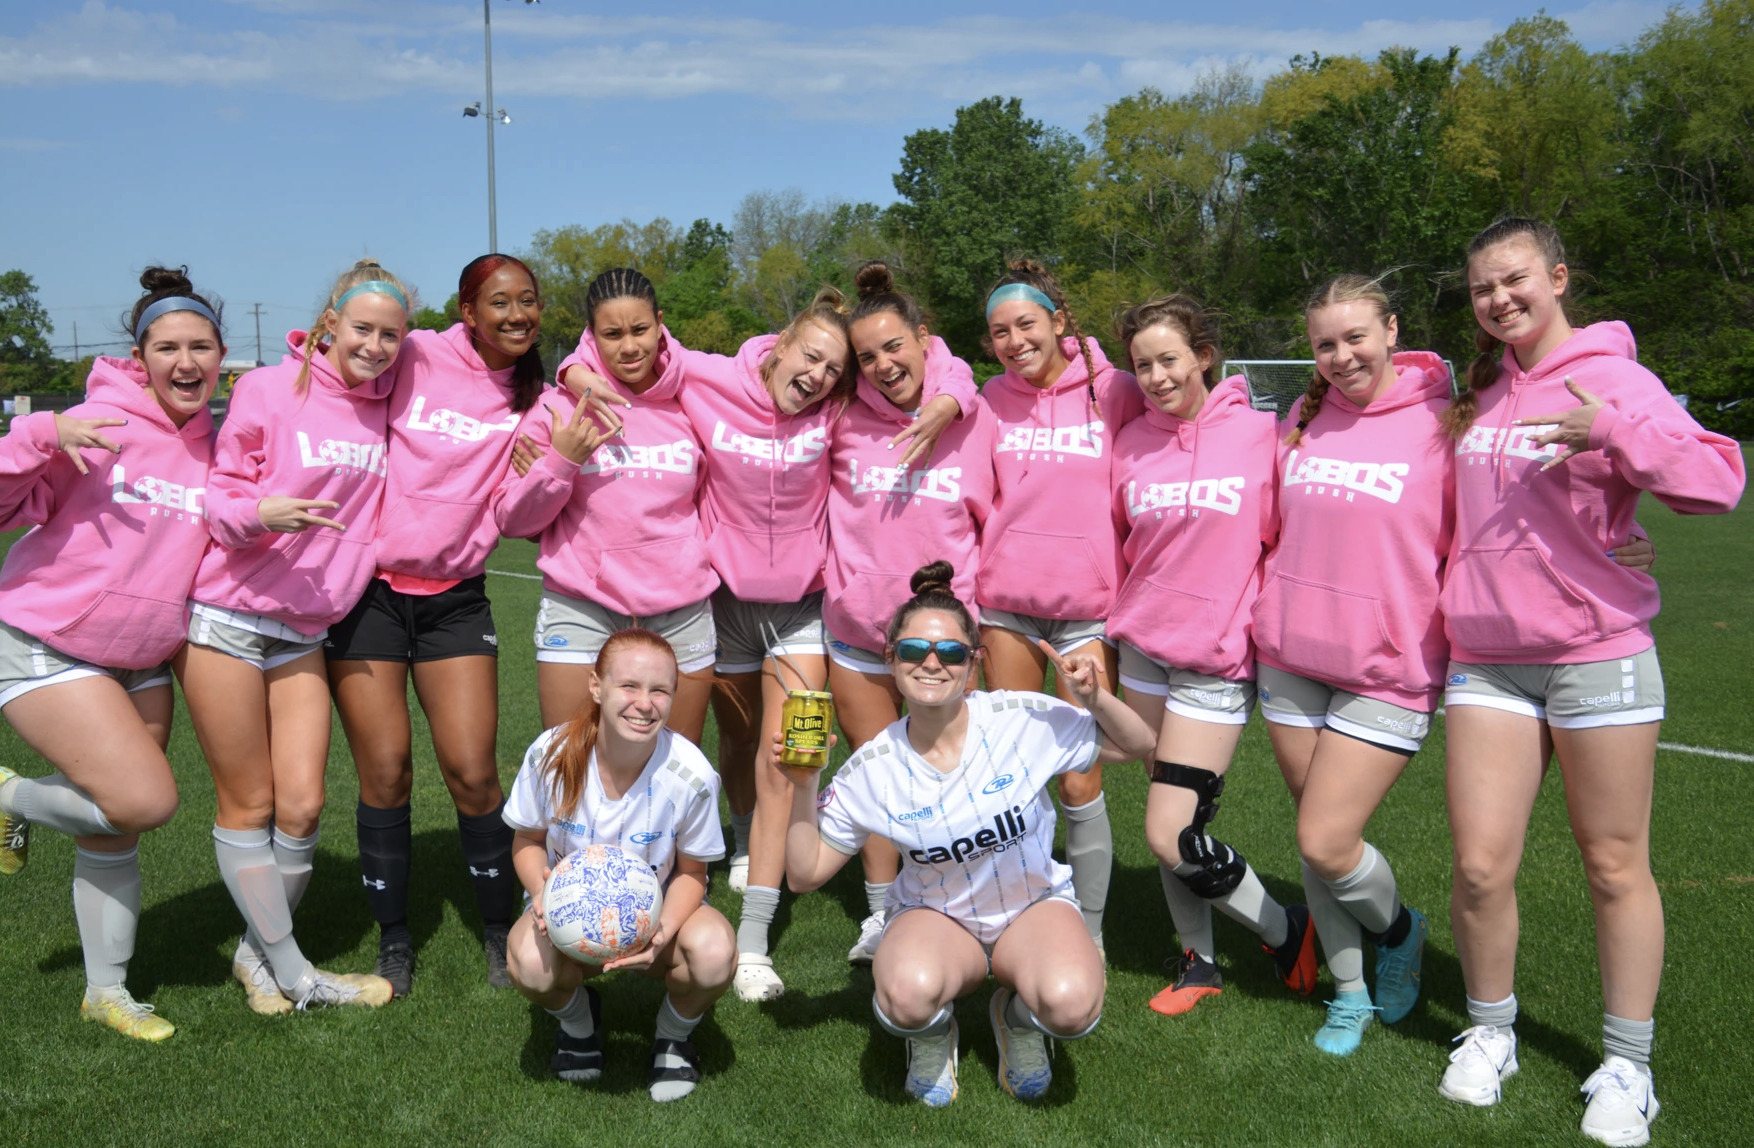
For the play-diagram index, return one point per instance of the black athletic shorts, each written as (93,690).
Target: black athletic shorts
(389,626)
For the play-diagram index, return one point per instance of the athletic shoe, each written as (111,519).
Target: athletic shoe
(740,873)
(1622,1103)
(1295,960)
(1195,979)
(1397,971)
(870,932)
(493,942)
(120,1011)
(755,979)
(675,1070)
(14,835)
(365,989)
(1024,1070)
(261,993)
(931,1068)
(579,1059)
(1477,1070)
(1348,1016)
(396,965)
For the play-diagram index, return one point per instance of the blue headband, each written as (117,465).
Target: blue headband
(166,306)
(1022,291)
(372,287)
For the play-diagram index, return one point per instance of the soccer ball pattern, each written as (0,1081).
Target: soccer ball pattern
(601,903)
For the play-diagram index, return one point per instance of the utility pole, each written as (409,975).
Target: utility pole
(258,314)
(492,208)
(76,340)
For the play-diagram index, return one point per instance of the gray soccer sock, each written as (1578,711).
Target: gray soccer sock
(54,802)
(1499,1014)
(760,903)
(246,862)
(106,902)
(740,826)
(1090,851)
(875,897)
(575,1015)
(1342,939)
(1369,893)
(1629,1038)
(1251,906)
(672,1025)
(1191,912)
(292,856)
(1020,1015)
(935,1028)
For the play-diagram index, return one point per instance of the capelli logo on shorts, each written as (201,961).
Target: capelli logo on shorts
(1396,724)
(917,815)
(1458,679)
(555,640)
(1003,781)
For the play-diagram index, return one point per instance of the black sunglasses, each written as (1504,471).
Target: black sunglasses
(949,651)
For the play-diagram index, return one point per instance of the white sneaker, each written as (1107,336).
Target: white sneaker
(931,1068)
(755,979)
(1024,1070)
(1477,1070)
(870,932)
(740,874)
(1622,1103)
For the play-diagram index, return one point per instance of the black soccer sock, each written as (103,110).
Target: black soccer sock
(386,843)
(487,848)
(1395,933)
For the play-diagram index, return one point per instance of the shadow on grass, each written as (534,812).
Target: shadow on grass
(630,1009)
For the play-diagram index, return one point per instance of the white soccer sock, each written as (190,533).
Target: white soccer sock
(1369,892)
(293,856)
(875,897)
(1090,851)
(672,1025)
(54,802)
(1342,938)
(936,1028)
(106,902)
(760,903)
(1499,1014)
(246,862)
(1191,912)
(1250,905)
(575,1015)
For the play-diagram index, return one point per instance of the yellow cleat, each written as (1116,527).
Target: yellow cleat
(115,1008)
(261,993)
(14,835)
(327,989)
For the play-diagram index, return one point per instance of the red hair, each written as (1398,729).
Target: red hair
(570,754)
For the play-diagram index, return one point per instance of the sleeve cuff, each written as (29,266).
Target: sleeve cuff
(1606,420)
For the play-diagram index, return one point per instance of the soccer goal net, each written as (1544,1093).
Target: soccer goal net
(1276,384)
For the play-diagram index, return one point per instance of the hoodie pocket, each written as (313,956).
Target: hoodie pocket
(1045,576)
(124,631)
(869,600)
(655,577)
(1325,633)
(427,532)
(768,566)
(1510,601)
(1184,621)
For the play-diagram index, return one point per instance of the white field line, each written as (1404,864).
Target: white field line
(515,574)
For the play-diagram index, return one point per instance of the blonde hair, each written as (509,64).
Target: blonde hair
(1339,289)
(1483,371)
(829,311)
(365,271)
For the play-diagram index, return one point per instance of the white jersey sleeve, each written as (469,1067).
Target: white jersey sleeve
(846,807)
(699,837)
(1073,734)
(530,805)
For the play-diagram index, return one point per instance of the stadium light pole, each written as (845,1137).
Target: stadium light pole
(490,113)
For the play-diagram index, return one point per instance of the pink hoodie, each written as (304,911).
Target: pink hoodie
(1529,578)
(1050,549)
(1366,512)
(327,443)
(104,577)
(451,424)
(765,503)
(1194,500)
(622,529)
(884,523)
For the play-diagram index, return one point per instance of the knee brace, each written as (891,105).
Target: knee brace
(1220,868)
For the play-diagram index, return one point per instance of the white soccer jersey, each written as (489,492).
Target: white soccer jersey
(977,842)
(672,809)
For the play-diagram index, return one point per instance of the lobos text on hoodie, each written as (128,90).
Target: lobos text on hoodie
(104,576)
(1365,514)
(884,522)
(1194,502)
(1049,549)
(1529,578)
(327,443)
(622,530)
(451,428)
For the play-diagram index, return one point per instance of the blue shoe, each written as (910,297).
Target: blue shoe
(1397,971)
(1348,1016)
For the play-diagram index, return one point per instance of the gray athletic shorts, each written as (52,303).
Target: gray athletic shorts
(1202,697)
(1583,695)
(1063,635)
(748,630)
(1292,699)
(27,664)
(262,642)
(573,630)
(855,658)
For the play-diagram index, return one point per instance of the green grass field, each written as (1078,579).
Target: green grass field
(458,1062)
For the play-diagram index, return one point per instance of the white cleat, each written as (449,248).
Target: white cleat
(324,989)
(740,874)
(864,951)
(931,1068)
(1024,1069)
(755,979)
(1477,1070)
(1622,1103)
(251,969)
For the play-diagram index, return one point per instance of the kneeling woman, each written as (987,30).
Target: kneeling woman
(960,786)
(614,775)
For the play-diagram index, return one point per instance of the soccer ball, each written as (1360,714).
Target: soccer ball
(601,903)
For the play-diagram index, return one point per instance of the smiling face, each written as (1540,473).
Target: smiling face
(633,689)
(628,332)
(931,682)
(1172,374)
(1517,296)
(504,316)
(892,357)
(1026,339)
(181,354)
(804,366)
(365,336)
(1354,347)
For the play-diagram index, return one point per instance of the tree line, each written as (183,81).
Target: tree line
(1248,194)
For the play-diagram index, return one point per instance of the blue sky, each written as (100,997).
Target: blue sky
(269,143)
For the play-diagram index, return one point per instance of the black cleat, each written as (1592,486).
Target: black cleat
(493,942)
(396,965)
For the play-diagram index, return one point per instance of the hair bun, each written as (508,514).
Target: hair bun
(934,577)
(874,278)
(171,280)
(368,265)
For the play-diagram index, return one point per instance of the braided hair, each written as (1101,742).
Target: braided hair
(365,271)
(1339,289)
(618,283)
(1483,370)
(1033,274)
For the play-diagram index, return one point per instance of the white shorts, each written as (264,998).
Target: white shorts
(893,915)
(1187,693)
(855,658)
(1063,634)
(1292,699)
(27,664)
(1582,695)
(573,630)
(752,632)
(262,642)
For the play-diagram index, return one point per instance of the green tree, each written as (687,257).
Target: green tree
(26,360)
(566,259)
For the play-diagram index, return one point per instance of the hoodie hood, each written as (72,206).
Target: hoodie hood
(1072,377)
(324,374)
(1222,403)
(454,348)
(665,387)
(122,383)
(1420,376)
(941,364)
(1612,339)
(749,358)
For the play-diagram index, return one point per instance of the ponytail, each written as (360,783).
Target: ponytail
(1033,274)
(931,589)
(1484,370)
(365,271)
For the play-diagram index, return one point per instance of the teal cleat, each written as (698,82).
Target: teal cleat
(1397,972)
(1348,1016)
